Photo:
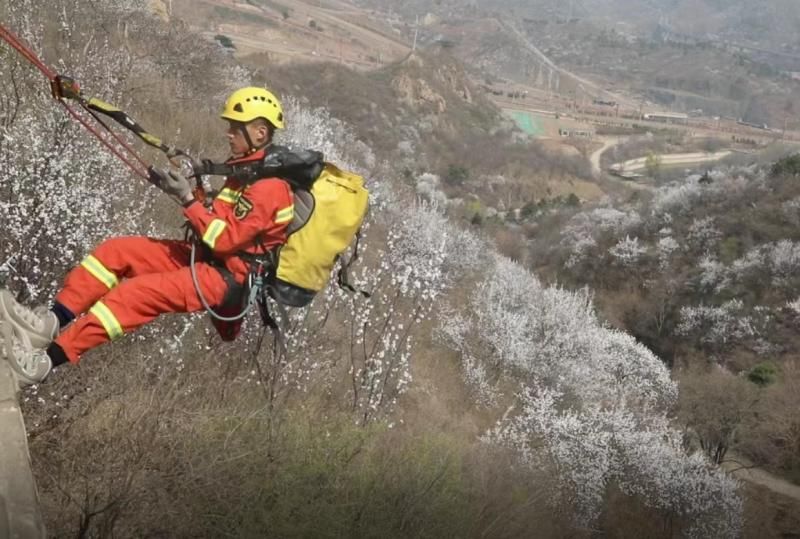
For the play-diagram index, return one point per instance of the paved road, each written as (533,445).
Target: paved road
(672,160)
(605,179)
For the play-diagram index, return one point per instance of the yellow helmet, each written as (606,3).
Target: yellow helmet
(247,104)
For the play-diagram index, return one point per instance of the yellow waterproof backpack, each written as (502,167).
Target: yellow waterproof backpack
(328,217)
(329,207)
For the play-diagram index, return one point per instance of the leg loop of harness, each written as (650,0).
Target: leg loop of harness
(240,298)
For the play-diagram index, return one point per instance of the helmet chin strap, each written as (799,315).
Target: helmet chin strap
(252,148)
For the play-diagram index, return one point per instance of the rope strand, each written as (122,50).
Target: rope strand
(123,151)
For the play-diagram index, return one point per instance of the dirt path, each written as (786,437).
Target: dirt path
(608,182)
(742,469)
(595,157)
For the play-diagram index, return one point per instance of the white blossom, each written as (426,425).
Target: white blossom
(714,275)
(720,325)
(794,305)
(592,401)
(627,252)
(703,235)
(784,260)
(666,247)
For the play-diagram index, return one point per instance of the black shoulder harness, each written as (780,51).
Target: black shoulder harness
(301,168)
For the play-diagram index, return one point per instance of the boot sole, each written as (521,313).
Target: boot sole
(7,302)
(7,335)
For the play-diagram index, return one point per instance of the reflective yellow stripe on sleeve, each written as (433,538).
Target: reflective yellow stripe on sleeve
(213,232)
(99,271)
(285,215)
(229,195)
(108,320)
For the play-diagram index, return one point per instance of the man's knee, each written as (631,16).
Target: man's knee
(117,244)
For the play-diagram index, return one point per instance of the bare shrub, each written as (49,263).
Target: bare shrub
(772,437)
(717,407)
(510,243)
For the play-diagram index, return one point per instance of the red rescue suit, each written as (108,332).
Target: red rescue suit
(129,281)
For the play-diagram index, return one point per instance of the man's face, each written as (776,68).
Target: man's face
(236,139)
(238,143)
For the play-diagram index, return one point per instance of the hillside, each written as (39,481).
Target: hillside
(466,396)
(579,51)
(769,24)
(704,271)
(683,56)
(426,115)
(294,31)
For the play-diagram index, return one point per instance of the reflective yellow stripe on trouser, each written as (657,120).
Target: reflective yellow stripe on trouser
(108,320)
(213,232)
(99,271)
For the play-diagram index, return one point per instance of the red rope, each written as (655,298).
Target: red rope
(113,149)
(29,55)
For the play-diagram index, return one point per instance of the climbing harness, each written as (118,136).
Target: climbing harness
(329,207)
(66,90)
(335,201)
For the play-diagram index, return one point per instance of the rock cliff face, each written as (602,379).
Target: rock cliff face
(418,94)
(429,88)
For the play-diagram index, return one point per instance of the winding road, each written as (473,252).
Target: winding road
(672,160)
(744,470)
(610,142)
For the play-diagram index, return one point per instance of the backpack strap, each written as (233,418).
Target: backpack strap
(300,169)
(269,321)
(342,278)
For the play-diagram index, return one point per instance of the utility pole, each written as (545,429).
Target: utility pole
(416,33)
(788,110)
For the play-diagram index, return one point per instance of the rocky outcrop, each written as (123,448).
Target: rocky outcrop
(417,94)
(427,83)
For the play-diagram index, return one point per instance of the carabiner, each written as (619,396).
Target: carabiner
(64,87)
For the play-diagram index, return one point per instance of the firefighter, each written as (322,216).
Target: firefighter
(128,281)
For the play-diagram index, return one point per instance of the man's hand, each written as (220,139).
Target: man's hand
(172,183)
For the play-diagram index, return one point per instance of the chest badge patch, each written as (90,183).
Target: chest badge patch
(243,208)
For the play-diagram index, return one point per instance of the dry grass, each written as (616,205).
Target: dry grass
(769,515)
(199,449)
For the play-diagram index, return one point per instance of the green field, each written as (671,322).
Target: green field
(526,121)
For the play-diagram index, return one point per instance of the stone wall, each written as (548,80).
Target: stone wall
(20,517)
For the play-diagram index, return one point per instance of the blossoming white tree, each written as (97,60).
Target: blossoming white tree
(628,252)
(593,403)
